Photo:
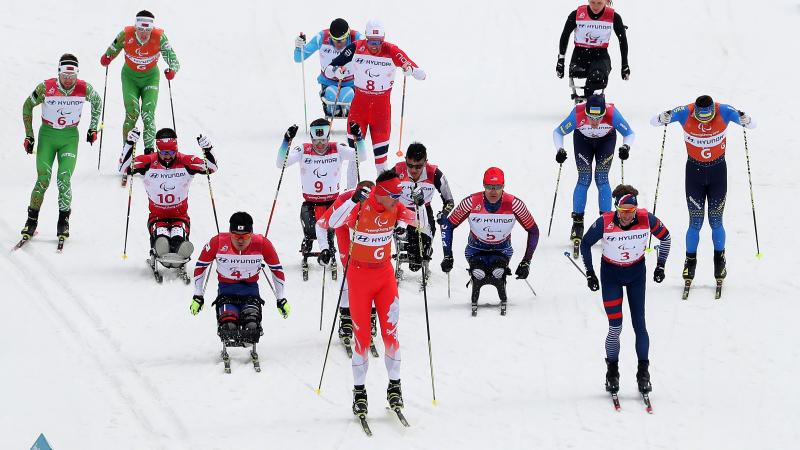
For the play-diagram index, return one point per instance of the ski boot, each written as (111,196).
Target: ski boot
(161,246)
(30,224)
(251,332)
(373,320)
(501,292)
(612,376)
(394,395)
(720,272)
(305,249)
(689,266)
(360,401)
(228,331)
(62,228)
(643,377)
(345,326)
(476,294)
(576,234)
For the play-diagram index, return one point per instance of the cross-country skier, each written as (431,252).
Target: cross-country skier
(624,234)
(143,45)
(704,126)
(593,25)
(420,180)
(239,256)
(597,123)
(330,43)
(373,65)
(372,215)
(326,257)
(167,176)
(492,214)
(320,175)
(62,101)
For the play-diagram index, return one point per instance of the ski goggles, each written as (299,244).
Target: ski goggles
(144,24)
(342,37)
(375,41)
(167,152)
(595,113)
(626,208)
(242,236)
(319,132)
(69,75)
(493,187)
(704,114)
(167,144)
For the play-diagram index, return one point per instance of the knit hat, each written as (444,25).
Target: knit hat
(494,175)
(241,222)
(596,106)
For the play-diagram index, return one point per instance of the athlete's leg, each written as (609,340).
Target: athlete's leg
(717,192)
(67,155)
(612,302)
(308,222)
(363,286)
(597,78)
(359,113)
(695,201)
(149,89)
(227,317)
(250,319)
(45,155)
(584,153)
(635,288)
(604,156)
(380,122)
(130,98)
(346,99)
(387,304)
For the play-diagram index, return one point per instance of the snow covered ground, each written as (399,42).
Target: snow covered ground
(96,355)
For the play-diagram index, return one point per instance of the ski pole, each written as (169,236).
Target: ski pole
(278,189)
(303,75)
(622,169)
(216,221)
(529,286)
(759,255)
(402,115)
(425,297)
(448,284)
(574,264)
(658,182)
(172,106)
(130,196)
(102,120)
(335,105)
(322,299)
(553,209)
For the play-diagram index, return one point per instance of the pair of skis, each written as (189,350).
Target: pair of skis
(348,347)
(26,238)
(362,419)
(648,406)
(304,266)
(687,285)
(226,359)
(159,277)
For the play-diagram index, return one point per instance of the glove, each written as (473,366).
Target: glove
(744,119)
(284,308)
(665,117)
(324,257)
(205,143)
(447,264)
(408,69)
(355,130)
(27,144)
(624,151)
(441,216)
(133,136)
(361,194)
(91,136)
(561,155)
(419,74)
(418,197)
(105,60)
(523,269)
(626,72)
(658,274)
(197,304)
(338,73)
(592,281)
(400,232)
(300,41)
(291,132)
(169,73)
(560,66)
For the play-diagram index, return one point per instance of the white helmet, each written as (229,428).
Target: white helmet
(375,29)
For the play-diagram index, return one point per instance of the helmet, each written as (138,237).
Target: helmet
(241,222)
(339,29)
(595,106)
(68,63)
(319,129)
(704,109)
(375,29)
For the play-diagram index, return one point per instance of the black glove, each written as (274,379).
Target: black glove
(624,151)
(28,144)
(447,264)
(324,257)
(441,216)
(561,155)
(418,197)
(91,136)
(658,274)
(592,281)
(355,130)
(290,133)
(523,269)
(400,232)
(197,304)
(626,72)
(560,67)
(361,194)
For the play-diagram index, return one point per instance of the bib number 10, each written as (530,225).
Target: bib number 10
(166,198)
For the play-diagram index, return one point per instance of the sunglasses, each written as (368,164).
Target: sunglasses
(374,41)
(242,236)
(69,75)
(340,39)
(493,187)
(626,209)
(415,166)
(167,152)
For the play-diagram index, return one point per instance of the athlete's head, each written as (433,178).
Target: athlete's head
(416,158)
(626,203)
(494,180)
(704,109)
(375,35)
(144,25)
(167,146)
(320,131)
(387,189)
(339,30)
(241,228)
(595,109)
(597,5)
(68,71)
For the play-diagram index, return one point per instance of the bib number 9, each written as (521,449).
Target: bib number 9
(318,186)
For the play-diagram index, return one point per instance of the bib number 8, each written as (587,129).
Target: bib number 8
(370,85)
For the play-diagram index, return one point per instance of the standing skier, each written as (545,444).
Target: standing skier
(597,123)
(62,101)
(320,175)
(625,234)
(143,45)
(167,176)
(593,25)
(330,43)
(705,124)
(492,215)
(374,62)
(239,255)
(420,180)
(373,214)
